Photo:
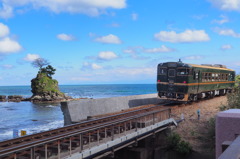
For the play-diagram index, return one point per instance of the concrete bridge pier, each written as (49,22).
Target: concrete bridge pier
(148,148)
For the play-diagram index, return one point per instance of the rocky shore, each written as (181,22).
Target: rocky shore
(12,98)
(36,99)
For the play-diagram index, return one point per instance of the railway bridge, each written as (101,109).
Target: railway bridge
(90,139)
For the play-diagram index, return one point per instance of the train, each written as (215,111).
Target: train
(182,82)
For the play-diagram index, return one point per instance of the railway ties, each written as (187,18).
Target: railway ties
(68,140)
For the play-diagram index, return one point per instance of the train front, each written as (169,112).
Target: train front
(172,79)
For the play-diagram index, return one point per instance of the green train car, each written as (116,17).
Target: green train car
(184,82)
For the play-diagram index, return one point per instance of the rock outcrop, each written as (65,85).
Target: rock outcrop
(45,89)
(15,98)
(3,98)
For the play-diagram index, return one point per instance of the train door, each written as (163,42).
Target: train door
(196,77)
(171,80)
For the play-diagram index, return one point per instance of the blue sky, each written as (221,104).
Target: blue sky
(114,41)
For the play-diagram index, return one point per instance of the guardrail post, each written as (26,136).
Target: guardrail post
(59,149)
(70,147)
(169,112)
(130,124)
(81,142)
(105,133)
(89,140)
(98,136)
(46,154)
(32,153)
(112,133)
(125,128)
(153,118)
(136,127)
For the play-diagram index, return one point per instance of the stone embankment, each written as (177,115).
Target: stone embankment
(12,98)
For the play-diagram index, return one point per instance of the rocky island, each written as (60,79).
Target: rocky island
(45,89)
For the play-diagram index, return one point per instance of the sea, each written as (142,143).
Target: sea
(33,118)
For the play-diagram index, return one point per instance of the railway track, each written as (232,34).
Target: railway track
(75,137)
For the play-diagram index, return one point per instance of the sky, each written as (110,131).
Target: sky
(114,41)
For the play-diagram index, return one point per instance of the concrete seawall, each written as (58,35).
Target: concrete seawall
(75,111)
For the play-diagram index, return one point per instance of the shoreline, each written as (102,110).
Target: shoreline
(20,98)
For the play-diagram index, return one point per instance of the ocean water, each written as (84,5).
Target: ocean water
(35,118)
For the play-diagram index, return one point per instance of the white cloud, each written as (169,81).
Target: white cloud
(91,66)
(7,66)
(8,46)
(194,57)
(81,79)
(199,17)
(31,57)
(110,39)
(89,7)
(6,11)
(96,66)
(65,37)
(226,47)
(135,71)
(163,48)
(134,16)
(185,37)
(4,30)
(222,21)
(231,5)
(115,25)
(119,74)
(129,51)
(227,32)
(107,55)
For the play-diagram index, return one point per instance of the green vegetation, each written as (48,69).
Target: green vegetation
(44,88)
(175,142)
(233,99)
(183,147)
(211,132)
(49,71)
(44,85)
(237,79)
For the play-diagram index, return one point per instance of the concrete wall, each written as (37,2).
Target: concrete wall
(227,127)
(75,111)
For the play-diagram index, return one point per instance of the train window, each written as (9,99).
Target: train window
(223,76)
(206,76)
(203,77)
(209,76)
(162,71)
(226,77)
(171,73)
(217,77)
(213,76)
(183,71)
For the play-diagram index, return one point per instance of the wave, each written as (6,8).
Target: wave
(8,134)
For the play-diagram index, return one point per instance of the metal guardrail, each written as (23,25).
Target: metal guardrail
(67,143)
(74,126)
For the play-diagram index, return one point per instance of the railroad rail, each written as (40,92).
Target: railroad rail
(67,140)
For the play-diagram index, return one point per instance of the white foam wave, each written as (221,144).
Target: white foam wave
(32,130)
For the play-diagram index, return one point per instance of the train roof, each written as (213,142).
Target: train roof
(181,64)
(211,67)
